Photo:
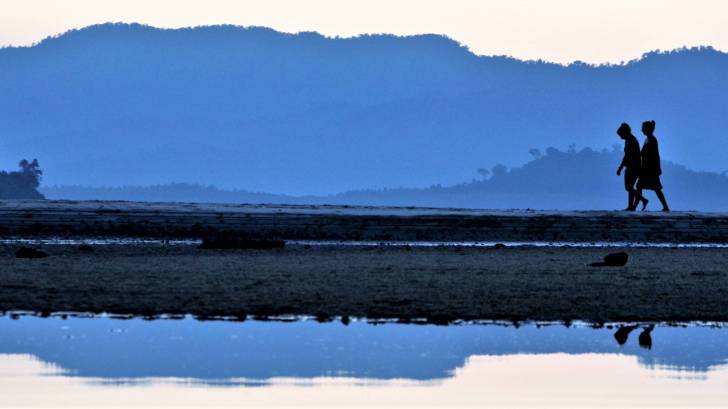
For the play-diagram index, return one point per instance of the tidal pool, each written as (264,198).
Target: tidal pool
(102,362)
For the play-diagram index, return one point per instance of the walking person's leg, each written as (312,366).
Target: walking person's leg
(661,196)
(639,198)
(631,205)
(630,180)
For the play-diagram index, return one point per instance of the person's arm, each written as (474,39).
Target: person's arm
(623,164)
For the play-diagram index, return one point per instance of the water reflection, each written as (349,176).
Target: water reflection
(489,365)
(645,338)
(219,350)
(622,334)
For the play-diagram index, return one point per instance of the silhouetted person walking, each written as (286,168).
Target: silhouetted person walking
(650,173)
(631,161)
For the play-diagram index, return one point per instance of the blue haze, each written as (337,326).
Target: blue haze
(552,179)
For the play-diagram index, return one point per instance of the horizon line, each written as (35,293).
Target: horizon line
(465,47)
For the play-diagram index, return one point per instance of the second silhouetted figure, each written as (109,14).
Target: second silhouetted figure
(651,169)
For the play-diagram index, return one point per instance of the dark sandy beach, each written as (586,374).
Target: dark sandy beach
(308,222)
(438,284)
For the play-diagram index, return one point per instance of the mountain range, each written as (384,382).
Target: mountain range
(303,114)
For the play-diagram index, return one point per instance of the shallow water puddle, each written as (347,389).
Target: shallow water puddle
(365,243)
(111,362)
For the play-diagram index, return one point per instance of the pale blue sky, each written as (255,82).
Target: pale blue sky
(556,30)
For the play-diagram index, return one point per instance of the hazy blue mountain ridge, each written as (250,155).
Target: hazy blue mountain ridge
(254,109)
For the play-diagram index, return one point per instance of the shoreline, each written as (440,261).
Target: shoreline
(378,263)
(105,241)
(346,320)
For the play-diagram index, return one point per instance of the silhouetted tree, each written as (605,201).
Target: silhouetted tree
(31,171)
(22,184)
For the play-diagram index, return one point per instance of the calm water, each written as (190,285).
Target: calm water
(96,362)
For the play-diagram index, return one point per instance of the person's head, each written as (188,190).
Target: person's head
(648,127)
(624,130)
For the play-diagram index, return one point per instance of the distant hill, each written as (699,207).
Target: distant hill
(252,108)
(173,192)
(574,180)
(578,180)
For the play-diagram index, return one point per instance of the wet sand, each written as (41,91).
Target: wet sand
(291,222)
(439,284)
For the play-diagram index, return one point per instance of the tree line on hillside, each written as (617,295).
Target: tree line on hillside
(21,184)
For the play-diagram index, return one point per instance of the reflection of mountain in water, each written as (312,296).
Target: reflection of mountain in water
(214,351)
